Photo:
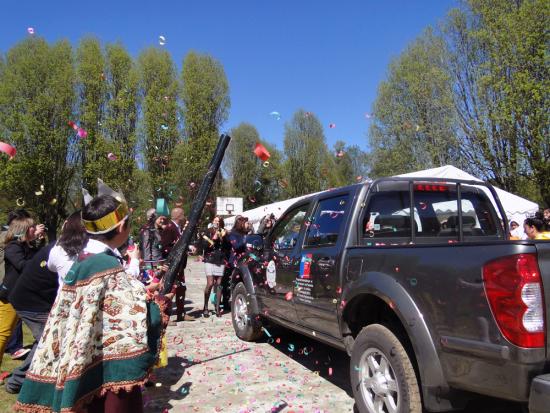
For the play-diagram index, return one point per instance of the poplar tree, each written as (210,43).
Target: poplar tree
(37,83)
(159,94)
(306,152)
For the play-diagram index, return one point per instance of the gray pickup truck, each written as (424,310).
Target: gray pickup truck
(416,279)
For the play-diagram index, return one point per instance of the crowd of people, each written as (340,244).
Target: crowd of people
(91,300)
(536,227)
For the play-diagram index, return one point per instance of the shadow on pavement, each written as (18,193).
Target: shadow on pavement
(333,365)
(329,363)
(159,397)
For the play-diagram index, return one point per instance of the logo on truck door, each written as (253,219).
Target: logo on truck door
(305,266)
(271,274)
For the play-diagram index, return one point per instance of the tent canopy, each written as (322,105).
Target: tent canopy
(516,207)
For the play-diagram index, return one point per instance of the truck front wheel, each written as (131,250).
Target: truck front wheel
(245,324)
(382,375)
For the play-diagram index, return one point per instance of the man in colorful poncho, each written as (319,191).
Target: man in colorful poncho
(103,333)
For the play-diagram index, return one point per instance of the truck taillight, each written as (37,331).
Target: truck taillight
(514,289)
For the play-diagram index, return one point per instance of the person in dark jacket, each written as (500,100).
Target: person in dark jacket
(150,238)
(20,246)
(237,239)
(216,248)
(32,298)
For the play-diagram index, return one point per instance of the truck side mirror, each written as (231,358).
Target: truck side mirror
(255,242)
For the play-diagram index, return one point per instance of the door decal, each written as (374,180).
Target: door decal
(305,266)
(271,274)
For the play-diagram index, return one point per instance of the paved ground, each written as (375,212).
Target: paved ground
(210,370)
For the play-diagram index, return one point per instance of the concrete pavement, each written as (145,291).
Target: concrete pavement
(211,370)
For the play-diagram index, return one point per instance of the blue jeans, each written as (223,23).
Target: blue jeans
(36,323)
(16,339)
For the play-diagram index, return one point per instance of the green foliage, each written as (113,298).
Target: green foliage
(159,91)
(498,60)
(350,164)
(248,177)
(306,151)
(37,98)
(415,117)
(205,96)
(120,124)
(92,91)
(474,95)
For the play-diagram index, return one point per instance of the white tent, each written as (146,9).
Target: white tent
(516,208)
(255,215)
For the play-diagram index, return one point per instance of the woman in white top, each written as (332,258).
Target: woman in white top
(71,242)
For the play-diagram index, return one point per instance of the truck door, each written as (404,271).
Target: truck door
(318,283)
(283,264)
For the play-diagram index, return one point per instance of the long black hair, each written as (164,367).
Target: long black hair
(73,237)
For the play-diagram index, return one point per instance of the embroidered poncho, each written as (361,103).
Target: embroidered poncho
(102,335)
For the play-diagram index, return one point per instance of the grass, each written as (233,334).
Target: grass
(7,400)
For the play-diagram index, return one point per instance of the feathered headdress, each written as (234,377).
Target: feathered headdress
(112,219)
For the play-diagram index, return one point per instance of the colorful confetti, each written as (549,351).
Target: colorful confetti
(275,115)
(8,149)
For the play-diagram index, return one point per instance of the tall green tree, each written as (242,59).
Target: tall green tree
(120,123)
(92,91)
(414,125)
(306,151)
(498,61)
(206,103)
(159,94)
(350,163)
(257,182)
(37,98)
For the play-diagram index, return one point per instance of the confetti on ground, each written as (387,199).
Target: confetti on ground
(111,156)
(211,370)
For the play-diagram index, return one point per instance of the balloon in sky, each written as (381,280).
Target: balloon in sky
(10,150)
(162,40)
(368,115)
(332,125)
(276,115)
(30,30)
(261,152)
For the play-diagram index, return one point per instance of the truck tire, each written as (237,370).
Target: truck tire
(382,375)
(245,324)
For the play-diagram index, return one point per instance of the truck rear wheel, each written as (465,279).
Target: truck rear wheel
(382,375)
(245,324)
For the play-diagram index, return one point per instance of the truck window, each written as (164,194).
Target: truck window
(388,215)
(327,220)
(286,232)
(435,215)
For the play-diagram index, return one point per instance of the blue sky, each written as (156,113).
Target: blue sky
(327,57)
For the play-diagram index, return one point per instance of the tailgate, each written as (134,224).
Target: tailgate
(543,253)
